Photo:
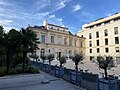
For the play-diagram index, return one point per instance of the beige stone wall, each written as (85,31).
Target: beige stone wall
(61,48)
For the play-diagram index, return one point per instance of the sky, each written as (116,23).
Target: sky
(71,13)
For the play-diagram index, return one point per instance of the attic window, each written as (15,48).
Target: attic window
(107,22)
(116,19)
(91,27)
(98,24)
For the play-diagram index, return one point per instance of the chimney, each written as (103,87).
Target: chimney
(45,22)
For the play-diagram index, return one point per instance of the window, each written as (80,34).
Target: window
(59,40)
(90,43)
(70,42)
(90,36)
(97,34)
(75,42)
(65,41)
(81,44)
(98,24)
(42,52)
(106,50)
(91,58)
(97,42)
(49,51)
(116,19)
(117,49)
(115,30)
(106,41)
(107,22)
(116,40)
(98,50)
(106,32)
(43,38)
(52,39)
(81,35)
(91,27)
(90,50)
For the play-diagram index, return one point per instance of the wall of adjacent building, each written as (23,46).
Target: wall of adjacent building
(101,28)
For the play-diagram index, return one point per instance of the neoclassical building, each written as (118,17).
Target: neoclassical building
(57,40)
(102,37)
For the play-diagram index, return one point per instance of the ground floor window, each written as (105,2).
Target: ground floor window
(91,58)
(42,52)
(118,60)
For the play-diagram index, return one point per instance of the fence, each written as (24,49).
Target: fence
(87,80)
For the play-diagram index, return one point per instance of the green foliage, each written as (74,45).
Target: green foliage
(32,69)
(16,70)
(28,42)
(105,62)
(62,60)
(43,57)
(50,57)
(77,58)
(34,56)
(2,71)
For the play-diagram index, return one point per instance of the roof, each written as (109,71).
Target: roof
(100,20)
(58,26)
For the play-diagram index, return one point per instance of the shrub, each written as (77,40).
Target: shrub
(12,71)
(2,71)
(16,70)
(32,69)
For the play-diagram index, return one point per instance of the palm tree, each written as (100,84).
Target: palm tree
(43,57)
(105,63)
(76,59)
(29,43)
(50,57)
(62,60)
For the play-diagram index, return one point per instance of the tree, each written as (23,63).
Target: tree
(34,56)
(50,57)
(62,60)
(2,51)
(29,43)
(10,43)
(105,63)
(43,57)
(76,59)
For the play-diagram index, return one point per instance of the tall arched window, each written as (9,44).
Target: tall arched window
(42,51)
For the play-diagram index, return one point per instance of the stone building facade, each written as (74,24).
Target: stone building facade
(58,40)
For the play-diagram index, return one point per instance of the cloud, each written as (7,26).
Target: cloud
(52,16)
(5,22)
(60,5)
(76,7)
(40,4)
(18,17)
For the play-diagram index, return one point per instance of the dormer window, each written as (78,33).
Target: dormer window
(98,24)
(91,27)
(107,22)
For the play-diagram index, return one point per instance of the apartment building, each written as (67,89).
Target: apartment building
(58,40)
(102,37)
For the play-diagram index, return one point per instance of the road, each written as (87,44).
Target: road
(34,82)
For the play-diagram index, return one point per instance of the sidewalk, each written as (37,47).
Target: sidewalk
(34,82)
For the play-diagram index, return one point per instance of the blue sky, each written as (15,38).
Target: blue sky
(71,13)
